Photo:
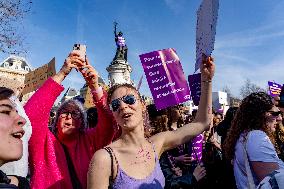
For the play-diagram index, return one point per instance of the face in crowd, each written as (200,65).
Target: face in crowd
(70,119)
(273,117)
(11,131)
(217,119)
(127,107)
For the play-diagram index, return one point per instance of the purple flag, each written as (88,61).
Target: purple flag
(194,82)
(274,88)
(197,143)
(165,77)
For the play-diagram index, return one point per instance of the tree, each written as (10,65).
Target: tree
(249,88)
(227,90)
(233,100)
(12,13)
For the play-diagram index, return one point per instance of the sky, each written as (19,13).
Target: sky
(249,38)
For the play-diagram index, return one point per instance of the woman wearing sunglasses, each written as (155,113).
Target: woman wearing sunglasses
(60,159)
(132,161)
(254,121)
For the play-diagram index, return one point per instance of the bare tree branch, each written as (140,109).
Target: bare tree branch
(12,13)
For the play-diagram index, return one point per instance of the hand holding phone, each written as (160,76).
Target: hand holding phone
(81,50)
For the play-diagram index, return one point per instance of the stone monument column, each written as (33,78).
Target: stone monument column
(119,69)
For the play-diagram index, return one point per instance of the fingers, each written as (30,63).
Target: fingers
(87,61)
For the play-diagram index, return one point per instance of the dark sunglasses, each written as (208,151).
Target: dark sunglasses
(275,114)
(128,99)
(74,114)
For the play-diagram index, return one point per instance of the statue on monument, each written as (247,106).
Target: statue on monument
(121,51)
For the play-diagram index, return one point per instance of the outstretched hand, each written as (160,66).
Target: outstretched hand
(207,68)
(90,74)
(72,61)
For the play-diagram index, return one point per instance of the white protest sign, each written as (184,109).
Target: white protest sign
(207,15)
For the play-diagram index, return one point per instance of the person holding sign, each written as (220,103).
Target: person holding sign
(60,159)
(132,161)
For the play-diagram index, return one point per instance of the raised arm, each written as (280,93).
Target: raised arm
(38,110)
(103,133)
(171,139)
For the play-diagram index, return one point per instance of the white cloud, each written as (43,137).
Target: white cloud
(234,74)
(175,6)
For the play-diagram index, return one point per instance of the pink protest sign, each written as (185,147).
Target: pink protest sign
(165,77)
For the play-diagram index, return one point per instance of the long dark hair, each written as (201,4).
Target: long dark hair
(250,116)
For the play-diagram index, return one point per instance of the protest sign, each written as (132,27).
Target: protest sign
(207,15)
(13,84)
(274,88)
(34,79)
(196,148)
(165,77)
(194,82)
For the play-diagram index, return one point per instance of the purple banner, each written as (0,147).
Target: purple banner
(197,143)
(194,82)
(274,88)
(165,77)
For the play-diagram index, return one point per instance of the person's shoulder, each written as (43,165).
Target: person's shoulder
(256,135)
(101,155)
(101,158)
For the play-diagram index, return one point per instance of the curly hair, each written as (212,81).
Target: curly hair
(250,116)
(146,122)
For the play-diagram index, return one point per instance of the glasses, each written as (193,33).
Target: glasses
(74,114)
(275,114)
(128,99)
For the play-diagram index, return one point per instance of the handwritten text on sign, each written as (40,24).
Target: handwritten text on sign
(34,79)
(165,77)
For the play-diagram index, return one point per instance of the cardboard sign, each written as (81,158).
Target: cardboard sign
(194,82)
(274,88)
(13,84)
(207,15)
(165,77)
(34,79)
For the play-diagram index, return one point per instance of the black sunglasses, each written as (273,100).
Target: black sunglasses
(275,114)
(128,99)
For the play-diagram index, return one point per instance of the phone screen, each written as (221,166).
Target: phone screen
(281,102)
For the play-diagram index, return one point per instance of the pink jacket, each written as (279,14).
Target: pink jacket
(47,159)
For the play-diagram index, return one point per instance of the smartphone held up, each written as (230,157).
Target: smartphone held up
(81,50)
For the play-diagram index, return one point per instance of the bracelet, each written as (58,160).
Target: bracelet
(207,81)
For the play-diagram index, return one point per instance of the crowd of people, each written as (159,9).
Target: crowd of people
(122,143)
